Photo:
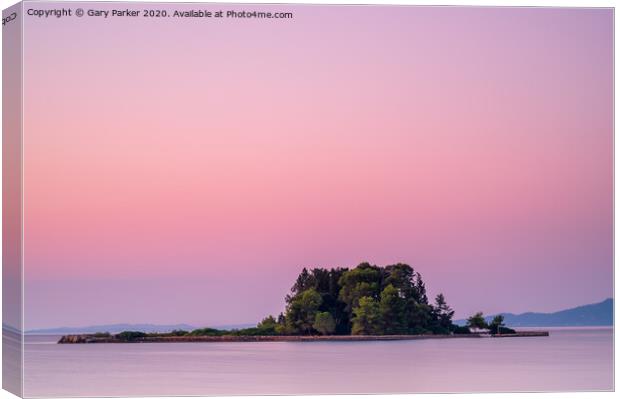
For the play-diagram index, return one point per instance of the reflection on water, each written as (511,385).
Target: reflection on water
(570,359)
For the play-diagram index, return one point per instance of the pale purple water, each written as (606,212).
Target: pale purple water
(570,359)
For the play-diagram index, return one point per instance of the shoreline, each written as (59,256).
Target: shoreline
(92,339)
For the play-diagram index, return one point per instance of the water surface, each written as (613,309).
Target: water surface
(567,360)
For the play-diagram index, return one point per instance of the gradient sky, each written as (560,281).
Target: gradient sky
(186,170)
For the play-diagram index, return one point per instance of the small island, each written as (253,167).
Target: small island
(365,303)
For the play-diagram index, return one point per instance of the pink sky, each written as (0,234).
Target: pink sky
(186,170)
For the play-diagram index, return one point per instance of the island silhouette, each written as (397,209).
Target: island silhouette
(367,302)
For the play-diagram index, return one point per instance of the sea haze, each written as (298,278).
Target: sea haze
(597,314)
(116,328)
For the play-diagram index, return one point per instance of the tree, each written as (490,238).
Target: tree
(327,285)
(325,282)
(456,329)
(267,326)
(420,318)
(324,323)
(280,327)
(477,321)
(364,280)
(302,310)
(420,289)
(212,332)
(396,302)
(130,335)
(497,324)
(444,314)
(304,281)
(400,276)
(267,322)
(367,317)
(392,310)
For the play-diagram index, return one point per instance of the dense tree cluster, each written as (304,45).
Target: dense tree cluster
(495,326)
(368,300)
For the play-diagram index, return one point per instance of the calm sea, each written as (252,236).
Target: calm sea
(570,359)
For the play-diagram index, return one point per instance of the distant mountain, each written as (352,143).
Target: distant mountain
(116,328)
(113,328)
(10,329)
(596,314)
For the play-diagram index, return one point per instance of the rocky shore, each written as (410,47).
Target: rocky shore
(94,339)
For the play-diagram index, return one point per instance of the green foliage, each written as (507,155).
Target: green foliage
(506,330)
(392,311)
(130,335)
(268,322)
(496,326)
(304,282)
(363,281)
(367,317)
(477,321)
(210,332)
(324,323)
(267,326)
(368,299)
(102,335)
(400,276)
(396,302)
(443,314)
(280,327)
(459,329)
(253,331)
(301,311)
(420,317)
(420,289)
(325,282)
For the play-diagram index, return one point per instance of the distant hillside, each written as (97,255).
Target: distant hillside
(116,328)
(596,314)
(10,329)
(112,328)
